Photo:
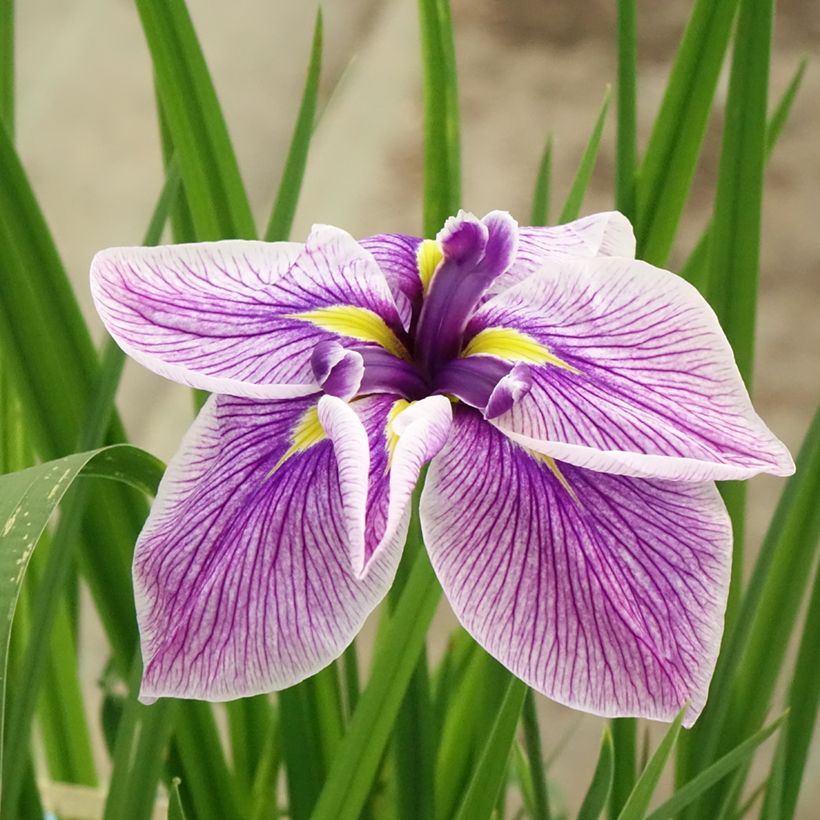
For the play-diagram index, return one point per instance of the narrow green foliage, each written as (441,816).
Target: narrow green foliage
(753,650)
(34,293)
(27,500)
(263,805)
(597,796)
(139,754)
(359,754)
(575,198)
(695,269)
(311,726)
(175,810)
(668,166)
(215,193)
(284,208)
(803,702)
(489,772)
(468,722)
(626,142)
(638,801)
(540,212)
(535,759)
(734,251)
(625,750)
(442,178)
(688,793)
(415,738)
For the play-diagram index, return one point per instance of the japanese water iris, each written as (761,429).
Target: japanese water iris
(576,404)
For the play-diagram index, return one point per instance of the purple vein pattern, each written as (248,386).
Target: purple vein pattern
(575,405)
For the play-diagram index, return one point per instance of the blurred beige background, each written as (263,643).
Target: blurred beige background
(527,67)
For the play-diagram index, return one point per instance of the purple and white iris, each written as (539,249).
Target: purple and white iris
(576,404)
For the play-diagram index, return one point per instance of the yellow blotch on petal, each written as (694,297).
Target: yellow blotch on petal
(356,323)
(307,432)
(429,258)
(553,468)
(512,346)
(392,437)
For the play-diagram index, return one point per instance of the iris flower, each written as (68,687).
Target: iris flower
(576,405)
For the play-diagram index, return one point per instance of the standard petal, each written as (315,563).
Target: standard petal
(243,574)
(643,381)
(243,317)
(605,234)
(605,593)
(397,256)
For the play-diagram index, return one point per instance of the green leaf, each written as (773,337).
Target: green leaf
(442,177)
(55,572)
(175,810)
(481,796)
(263,792)
(575,198)
(803,702)
(35,294)
(638,801)
(597,795)
(535,759)
(357,759)
(468,722)
(284,208)
(753,651)
(734,251)
(540,212)
(624,749)
(695,269)
(688,793)
(214,190)
(668,166)
(626,143)
(139,754)
(27,500)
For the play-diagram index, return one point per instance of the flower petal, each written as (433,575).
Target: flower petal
(605,593)
(242,574)
(242,317)
(648,385)
(377,507)
(605,234)
(397,256)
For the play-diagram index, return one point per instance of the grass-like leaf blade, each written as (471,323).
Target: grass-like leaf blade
(753,650)
(575,198)
(284,208)
(540,212)
(357,760)
(803,701)
(626,149)
(535,758)
(695,269)
(688,793)
(638,801)
(665,175)
(481,796)
(597,796)
(214,190)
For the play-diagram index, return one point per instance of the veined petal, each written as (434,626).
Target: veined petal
(224,316)
(383,451)
(605,234)
(397,256)
(242,574)
(651,389)
(605,593)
